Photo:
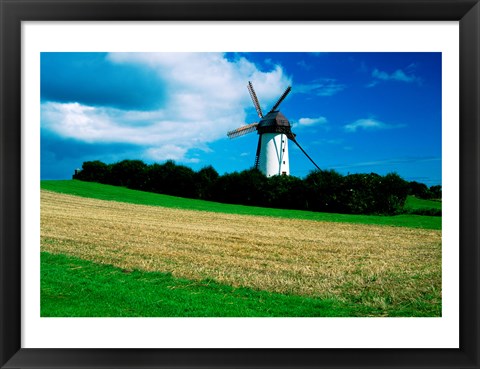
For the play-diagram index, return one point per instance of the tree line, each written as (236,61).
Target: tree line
(321,190)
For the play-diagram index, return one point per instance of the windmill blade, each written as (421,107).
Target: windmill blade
(253,95)
(242,130)
(284,95)
(257,155)
(300,147)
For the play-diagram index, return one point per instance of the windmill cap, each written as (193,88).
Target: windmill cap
(274,119)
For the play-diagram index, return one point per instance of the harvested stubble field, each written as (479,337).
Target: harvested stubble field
(375,266)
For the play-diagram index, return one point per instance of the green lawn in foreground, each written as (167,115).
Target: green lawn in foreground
(72,287)
(114,193)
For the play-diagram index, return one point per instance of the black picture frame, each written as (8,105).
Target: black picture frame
(13,12)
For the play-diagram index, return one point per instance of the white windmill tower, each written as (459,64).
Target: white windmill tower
(274,132)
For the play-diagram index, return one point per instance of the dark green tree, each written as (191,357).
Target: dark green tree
(392,194)
(419,190)
(128,173)
(324,191)
(436,192)
(248,187)
(171,179)
(93,171)
(287,192)
(205,182)
(361,193)
(183,183)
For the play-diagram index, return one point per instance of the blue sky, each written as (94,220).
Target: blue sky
(352,112)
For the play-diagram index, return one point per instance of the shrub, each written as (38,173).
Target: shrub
(128,173)
(205,180)
(286,192)
(392,194)
(325,191)
(93,171)
(321,190)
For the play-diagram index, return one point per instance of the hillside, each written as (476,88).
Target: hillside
(115,193)
(141,260)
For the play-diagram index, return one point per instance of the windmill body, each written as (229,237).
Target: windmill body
(273,159)
(273,143)
(274,131)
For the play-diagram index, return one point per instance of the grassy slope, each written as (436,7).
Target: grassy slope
(71,287)
(74,287)
(415,203)
(105,192)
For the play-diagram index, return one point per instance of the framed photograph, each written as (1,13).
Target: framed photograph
(377,99)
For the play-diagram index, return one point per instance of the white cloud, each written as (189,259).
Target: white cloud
(372,84)
(312,121)
(321,87)
(173,152)
(332,141)
(205,96)
(98,124)
(370,125)
(398,75)
(304,65)
(400,160)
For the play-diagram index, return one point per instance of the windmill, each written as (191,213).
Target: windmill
(274,131)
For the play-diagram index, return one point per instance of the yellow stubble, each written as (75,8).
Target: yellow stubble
(310,258)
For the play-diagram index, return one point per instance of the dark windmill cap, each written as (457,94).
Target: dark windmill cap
(274,122)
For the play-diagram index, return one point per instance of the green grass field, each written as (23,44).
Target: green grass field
(72,287)
(114,193)
(75,287)
(415,203)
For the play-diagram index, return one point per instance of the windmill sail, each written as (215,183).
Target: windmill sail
(253,95)
(242,130)
(284,95)
(292,138)
(257,155)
